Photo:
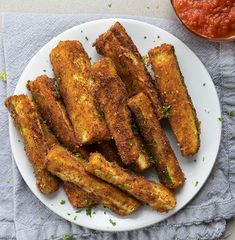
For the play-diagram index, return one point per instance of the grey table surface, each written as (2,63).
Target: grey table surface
(150,8)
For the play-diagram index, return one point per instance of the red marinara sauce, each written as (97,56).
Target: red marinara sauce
(209,18)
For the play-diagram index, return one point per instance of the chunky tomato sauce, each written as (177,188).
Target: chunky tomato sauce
(210,18)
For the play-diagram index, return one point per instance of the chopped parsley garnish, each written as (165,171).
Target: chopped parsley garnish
(148,7)
(152,159)
(220,119)
(44,70)
(196,183)
(110,5)
(89,211)
(112,222)
(78,211)
(68,237)
(86,38)
(145,37)
(166,111)
(81,31)
(62,202)
(134,129)
(204,84)
(158,36)
(157,6)
(3,76)
(52,237)
(68,214)
(195,160)
(145,58)
(90,58)
(167,177)
(75,218)
(230,113)
(203,158)
(77,154)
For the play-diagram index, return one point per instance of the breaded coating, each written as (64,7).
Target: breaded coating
(63,164)
(168,169)
(26,120)
(71,66)
(182,115)
(48,135)
(117,44)
(154,194)
(78,197)
(111,96)
(47,99)
(109,150)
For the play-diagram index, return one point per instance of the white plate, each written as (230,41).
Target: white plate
(205,101)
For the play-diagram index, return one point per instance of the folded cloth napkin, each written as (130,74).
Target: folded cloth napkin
(23,216)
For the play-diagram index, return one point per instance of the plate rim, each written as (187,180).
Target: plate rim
(11,125)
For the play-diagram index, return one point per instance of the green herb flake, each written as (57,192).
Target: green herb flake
(203,158)
(145,58)
(152,160)
(52,237)
(110,5)
(68,237)
(81,31)
(90,58)
(68,214)
(167,177)
(230,113)
(145,37)
(196,183)
(220,119)
(158,36)
(112,222)
(62,202)
(78,211)
(148,7)
(104,213)
(204,85)
(195,160)
(75,218)
(44,70)
(77,154)
(89,212)
(134,129)
(166,110)
(3,76)
(157,6)
(86,38)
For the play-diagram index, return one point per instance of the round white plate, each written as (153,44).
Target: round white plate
(204,97)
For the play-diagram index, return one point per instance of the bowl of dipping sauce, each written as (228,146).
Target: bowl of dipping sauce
(210,19)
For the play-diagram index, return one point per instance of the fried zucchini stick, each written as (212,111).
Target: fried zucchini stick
(49,104)
(71,66)
(174,94)
(26,120)
(117,44)
(63,164)
(154,194)
(168,169)
(110,152)
(78,197)
(111,96)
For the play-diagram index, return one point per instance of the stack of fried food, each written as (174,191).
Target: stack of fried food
(93,126)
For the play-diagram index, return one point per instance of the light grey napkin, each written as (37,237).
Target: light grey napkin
(22,216)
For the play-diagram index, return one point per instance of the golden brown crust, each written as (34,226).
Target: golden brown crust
(71,66)
(49,104)
(183,119)
(168,169)
(116,44)
(26,120)
(78,197)
(69,168)
(111,96)
(109,150)
(154,194)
